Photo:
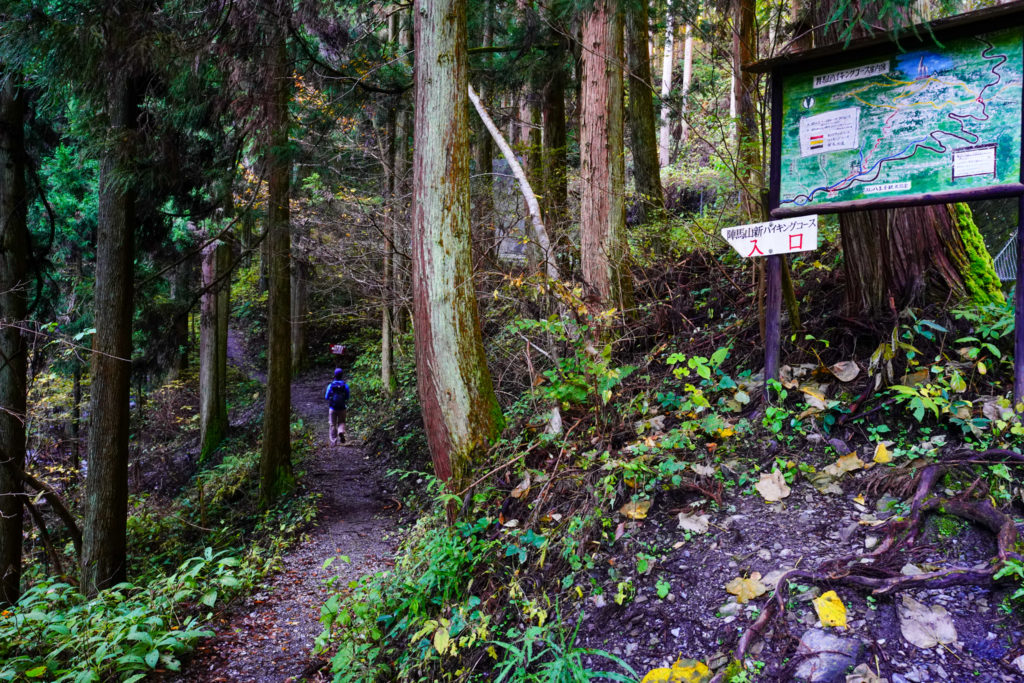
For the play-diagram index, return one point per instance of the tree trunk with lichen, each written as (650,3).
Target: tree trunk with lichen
(460,412)
(213,413)
(603,251)
(904,257)
(14,251)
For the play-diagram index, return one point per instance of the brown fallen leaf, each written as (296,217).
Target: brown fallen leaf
(845,371)
(746,589)
(772,486)
(522,488)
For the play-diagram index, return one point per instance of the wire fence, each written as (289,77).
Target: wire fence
(1006,261)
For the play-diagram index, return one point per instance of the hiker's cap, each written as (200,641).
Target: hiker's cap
(338,373)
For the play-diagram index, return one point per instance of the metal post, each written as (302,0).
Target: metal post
(1018,313)
(773,317)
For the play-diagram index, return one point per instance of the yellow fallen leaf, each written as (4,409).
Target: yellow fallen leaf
(830,609)
(813,397)
(746,589)
(441,640)
(636,509)
(846,463)
(682,671)
(860,499)
(882,455)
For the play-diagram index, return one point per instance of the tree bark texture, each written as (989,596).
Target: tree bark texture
(213,413)
(460,412)
(640,116)
(902,257)
(14,254)
(275,458)
(104,542)
(602,205)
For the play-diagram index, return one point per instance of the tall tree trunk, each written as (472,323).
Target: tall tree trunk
(104,541)
(667,60)
(403,188)
(387,353)
(213,414)
(684,87)
(483,147)
(460,411)
(554,188)
(14,254)
(747,134)
(179,327)
(602,205)
(640,116)
(275,458)
(300,272)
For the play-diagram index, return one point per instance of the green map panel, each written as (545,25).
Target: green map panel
(937,119)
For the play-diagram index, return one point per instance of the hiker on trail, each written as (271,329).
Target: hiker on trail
(337,403)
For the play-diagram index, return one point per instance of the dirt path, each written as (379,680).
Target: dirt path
(270,636)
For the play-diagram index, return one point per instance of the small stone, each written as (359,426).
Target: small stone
(870,542)
(1019,663)
(785,552)
(675,632)
(827,657)
(731,608)
(764,554)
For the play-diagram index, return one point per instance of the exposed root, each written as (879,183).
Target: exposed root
(901,535)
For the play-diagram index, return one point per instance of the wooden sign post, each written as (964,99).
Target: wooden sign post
(934,118)
(771,240)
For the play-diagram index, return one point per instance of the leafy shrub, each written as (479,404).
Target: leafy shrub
(54,633)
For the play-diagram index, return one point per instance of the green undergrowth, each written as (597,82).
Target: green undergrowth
(187,557)
(554,526)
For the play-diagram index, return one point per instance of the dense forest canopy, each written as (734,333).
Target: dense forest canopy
(501,219)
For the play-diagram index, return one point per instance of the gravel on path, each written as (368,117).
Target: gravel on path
(269,637)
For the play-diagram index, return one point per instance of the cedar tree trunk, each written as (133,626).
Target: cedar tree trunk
(14,253)
(213,414)
(275,459)
(460,411)
(602,205)
(104,541)
(640,116)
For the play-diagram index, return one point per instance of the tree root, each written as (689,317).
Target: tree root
(902,533)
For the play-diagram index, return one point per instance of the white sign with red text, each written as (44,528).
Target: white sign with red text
(784,236)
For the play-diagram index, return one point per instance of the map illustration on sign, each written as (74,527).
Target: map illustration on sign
(937,119)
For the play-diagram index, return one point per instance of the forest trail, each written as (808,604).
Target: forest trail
(269,636)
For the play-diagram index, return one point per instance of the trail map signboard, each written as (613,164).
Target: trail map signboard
(931,115)
(930,124)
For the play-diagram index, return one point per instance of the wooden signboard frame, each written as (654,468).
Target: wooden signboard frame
(883,46)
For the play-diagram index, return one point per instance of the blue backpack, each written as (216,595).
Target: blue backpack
(337,394)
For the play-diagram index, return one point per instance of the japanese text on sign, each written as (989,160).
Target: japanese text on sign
(785,236)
